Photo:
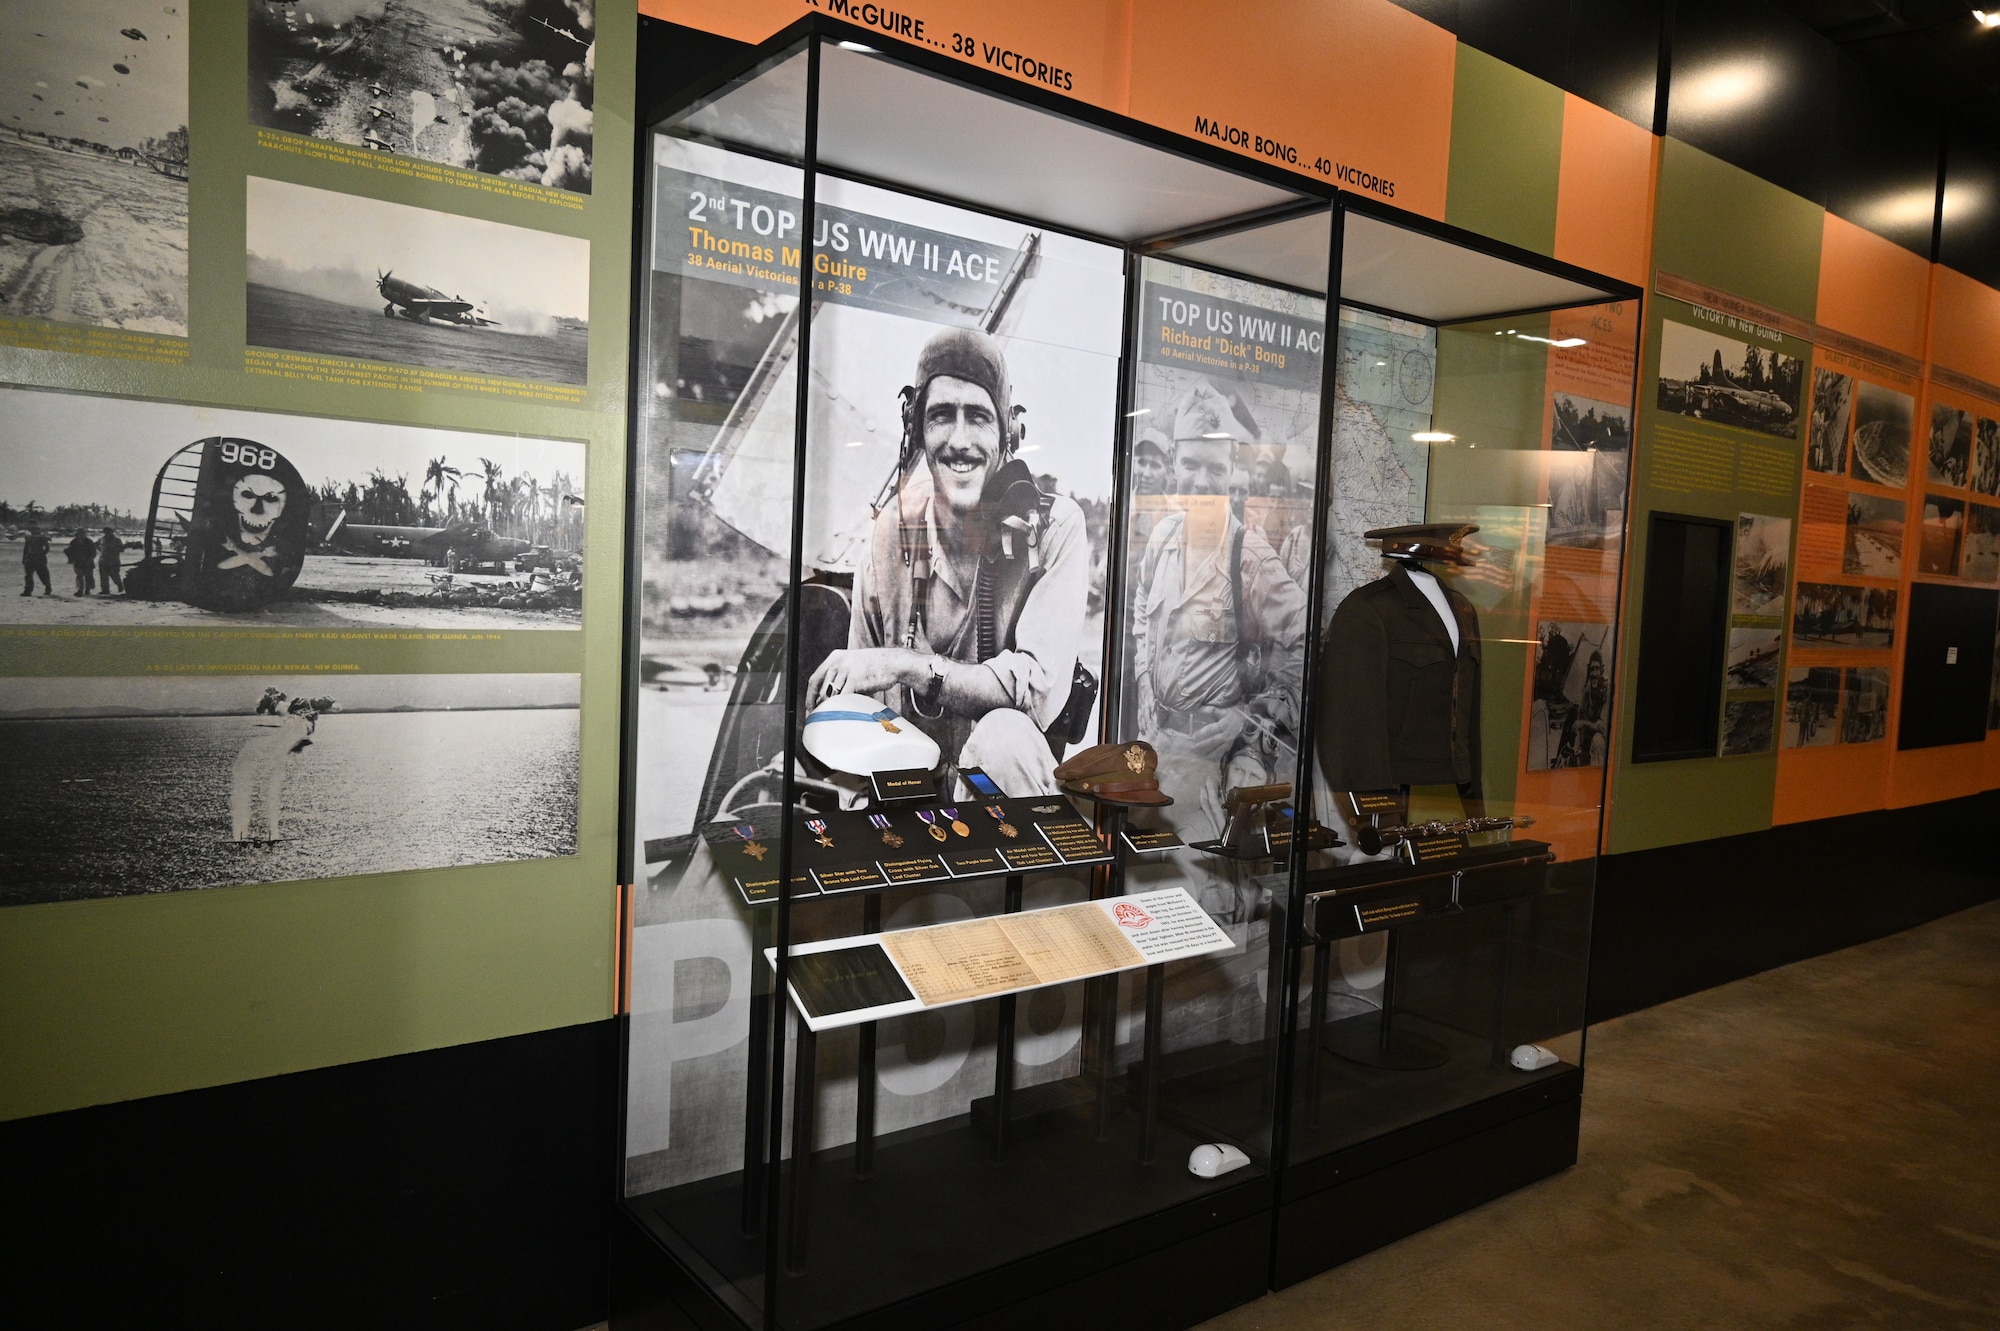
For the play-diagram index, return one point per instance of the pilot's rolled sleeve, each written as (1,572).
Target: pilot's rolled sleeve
(1037,669)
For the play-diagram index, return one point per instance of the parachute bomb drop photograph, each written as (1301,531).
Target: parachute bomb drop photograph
(94,165)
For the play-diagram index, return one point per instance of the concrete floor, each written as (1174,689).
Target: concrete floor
(1813,1148)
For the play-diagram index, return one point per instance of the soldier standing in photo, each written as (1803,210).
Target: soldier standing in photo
(35,563)
(110,552)
(1218,630)
(967,612)
(81,552)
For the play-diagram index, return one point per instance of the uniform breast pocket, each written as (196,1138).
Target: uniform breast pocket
(1420,676)
(1420,654)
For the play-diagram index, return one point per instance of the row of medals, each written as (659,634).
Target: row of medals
(890,837)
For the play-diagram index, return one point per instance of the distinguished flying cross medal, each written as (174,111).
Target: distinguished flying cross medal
(930,825)
(750,846)
(889,836)
(817,826)
(957,824)
(1007,829)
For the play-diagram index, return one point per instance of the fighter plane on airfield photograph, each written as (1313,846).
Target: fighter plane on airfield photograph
(124,513)
(341,275)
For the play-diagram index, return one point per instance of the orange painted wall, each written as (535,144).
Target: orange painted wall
(1361,82)
(1281,69)
(1872,288)
(1965,333)
(1087,38)
(1604,199)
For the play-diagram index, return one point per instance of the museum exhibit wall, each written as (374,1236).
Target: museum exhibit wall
(168,933)
(1777,200)
(228,200)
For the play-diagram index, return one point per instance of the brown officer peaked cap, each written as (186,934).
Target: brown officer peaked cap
(1132,760)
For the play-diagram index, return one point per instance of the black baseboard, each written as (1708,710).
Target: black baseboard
(1374,1207)
(1680,919)
(1118,1279)
(464,1187)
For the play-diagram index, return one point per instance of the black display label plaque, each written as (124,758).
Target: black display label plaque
(846,980)
(848,877)
(1144,839)
(975,863)
(1279,835)
(918,869)
(763,891)
(1367,802)
(1029,857)
(1431,849)
(1382,914)
(911,783)
(1072,839)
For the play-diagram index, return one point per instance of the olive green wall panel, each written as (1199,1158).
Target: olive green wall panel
(141,995)
(1506,152)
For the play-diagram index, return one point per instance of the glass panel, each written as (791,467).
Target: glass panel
(1224,427)
(715,409)
(960,432)
(1462,698)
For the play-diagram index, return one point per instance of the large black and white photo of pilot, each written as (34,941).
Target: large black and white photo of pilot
(343,275)
(963,398)
(94,164)
(163,783)
(133,513)
(1227,392)
(1707,374)
(499,86)
(963,412)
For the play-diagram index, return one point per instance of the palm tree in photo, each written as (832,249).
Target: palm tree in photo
(438,477)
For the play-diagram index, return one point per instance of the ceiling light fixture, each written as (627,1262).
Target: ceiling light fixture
(1986,20)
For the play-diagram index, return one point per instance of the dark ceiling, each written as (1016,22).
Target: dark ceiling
(1933,51)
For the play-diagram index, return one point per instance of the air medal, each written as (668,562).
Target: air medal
(1007,829)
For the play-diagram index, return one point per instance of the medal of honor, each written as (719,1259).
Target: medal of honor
(817,826)
(750,843)
(1007,829)
(889,836)
(957,824)
(930,825)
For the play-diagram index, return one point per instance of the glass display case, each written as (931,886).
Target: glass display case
(1007,942)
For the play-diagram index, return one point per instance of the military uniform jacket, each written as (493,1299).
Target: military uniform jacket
(1396,706)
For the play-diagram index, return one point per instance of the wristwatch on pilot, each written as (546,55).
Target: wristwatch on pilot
(933,693)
